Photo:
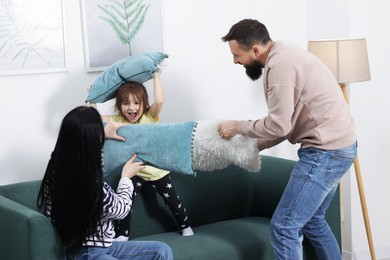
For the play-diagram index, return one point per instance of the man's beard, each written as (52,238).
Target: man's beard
(254,70)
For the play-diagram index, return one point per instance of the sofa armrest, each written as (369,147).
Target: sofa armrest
(27,234)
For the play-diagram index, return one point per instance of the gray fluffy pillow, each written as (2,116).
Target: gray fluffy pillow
(211,152)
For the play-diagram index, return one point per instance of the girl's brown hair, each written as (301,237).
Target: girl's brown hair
(136,89)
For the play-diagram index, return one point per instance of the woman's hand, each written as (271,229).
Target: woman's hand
(110,131)
(131,168)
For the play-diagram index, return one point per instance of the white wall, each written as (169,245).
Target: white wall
(202,83)
(370,104)
(369,100)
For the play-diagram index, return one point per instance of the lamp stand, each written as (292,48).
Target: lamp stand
(361,189)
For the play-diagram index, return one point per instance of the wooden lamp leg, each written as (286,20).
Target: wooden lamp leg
(361,190)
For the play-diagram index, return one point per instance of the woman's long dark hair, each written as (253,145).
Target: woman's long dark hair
(71,192)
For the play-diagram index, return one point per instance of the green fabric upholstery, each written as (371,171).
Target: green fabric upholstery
(241,238)
(26,233)
(20,193)
(229,210)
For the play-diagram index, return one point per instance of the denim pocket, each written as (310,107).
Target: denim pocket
(340,162)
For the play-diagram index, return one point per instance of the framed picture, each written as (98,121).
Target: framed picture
(114,29)
(31,36)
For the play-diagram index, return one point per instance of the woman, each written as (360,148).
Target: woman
(79,203)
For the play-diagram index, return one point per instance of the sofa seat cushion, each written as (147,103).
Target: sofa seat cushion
(243,238)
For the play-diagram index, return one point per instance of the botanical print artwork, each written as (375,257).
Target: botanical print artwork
(116,29)
(31,36)
(125,18)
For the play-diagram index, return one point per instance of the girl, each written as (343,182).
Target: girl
(132,107)
(79,203)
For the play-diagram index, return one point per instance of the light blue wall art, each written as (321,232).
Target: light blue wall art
(116,29)
(31,36)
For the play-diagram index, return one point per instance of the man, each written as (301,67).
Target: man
(305,106)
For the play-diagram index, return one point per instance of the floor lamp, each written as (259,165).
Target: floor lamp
(348,61)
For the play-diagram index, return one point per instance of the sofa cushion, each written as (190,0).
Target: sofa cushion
(243,238)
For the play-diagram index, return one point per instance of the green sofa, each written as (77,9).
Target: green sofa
(229,210)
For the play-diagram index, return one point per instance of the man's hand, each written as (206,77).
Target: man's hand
(110,131)
(228,129)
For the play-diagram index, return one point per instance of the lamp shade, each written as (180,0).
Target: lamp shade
(346,58)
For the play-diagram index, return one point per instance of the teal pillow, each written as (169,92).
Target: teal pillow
(138,68)
(165,146)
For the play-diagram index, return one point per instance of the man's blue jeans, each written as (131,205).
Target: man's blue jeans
(134,250)
(301,210)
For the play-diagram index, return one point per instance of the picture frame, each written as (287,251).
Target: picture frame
(108,37)
(32,39)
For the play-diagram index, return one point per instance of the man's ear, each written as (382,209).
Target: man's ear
(256,50)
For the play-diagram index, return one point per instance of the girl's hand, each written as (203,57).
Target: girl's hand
(91,104)
(158,72)
(131,168)
(110,131)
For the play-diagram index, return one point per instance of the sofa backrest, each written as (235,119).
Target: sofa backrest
(208,197)
(269,184)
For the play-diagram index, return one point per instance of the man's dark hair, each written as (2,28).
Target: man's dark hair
(248,32)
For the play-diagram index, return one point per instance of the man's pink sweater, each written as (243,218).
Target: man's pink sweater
(305,103)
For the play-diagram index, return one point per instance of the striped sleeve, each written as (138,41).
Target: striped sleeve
(117,205)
